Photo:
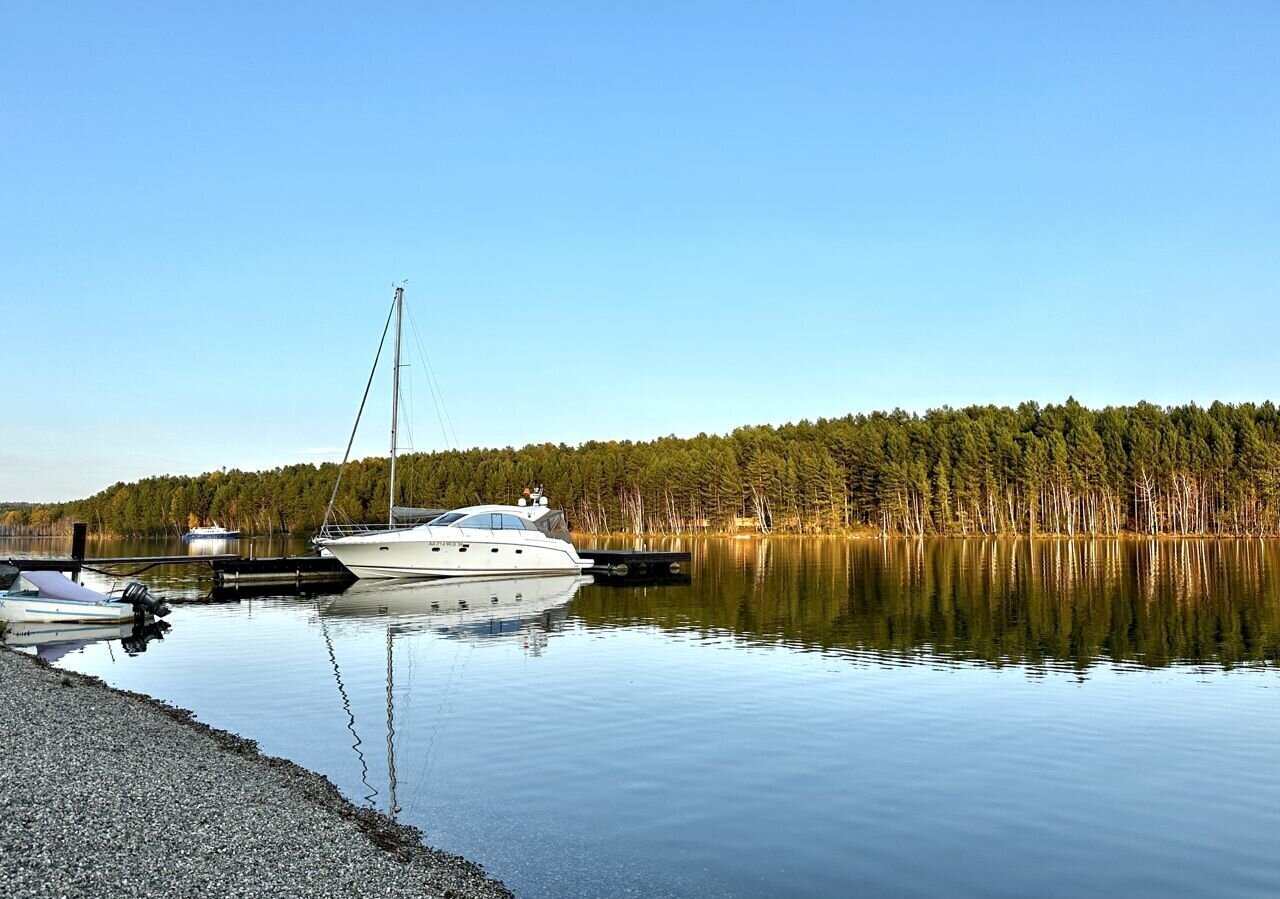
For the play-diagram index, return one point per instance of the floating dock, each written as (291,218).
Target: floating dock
(74,564)
(281,570)
(635,563)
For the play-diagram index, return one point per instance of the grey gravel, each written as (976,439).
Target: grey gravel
(108,793)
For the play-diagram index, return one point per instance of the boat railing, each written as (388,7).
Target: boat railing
(334,531)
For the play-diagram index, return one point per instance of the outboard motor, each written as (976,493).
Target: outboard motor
(138,596)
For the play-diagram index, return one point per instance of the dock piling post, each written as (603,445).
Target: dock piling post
(79,532)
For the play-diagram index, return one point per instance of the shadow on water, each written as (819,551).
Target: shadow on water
(1053,603)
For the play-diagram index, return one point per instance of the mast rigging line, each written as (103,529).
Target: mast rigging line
(345,456)
(433,385)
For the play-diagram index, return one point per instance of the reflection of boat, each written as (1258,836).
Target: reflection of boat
(210,546)
(213,532)
(27,633)
(53,641)
(48,596)
(478,540)
(471,609)
(455,602)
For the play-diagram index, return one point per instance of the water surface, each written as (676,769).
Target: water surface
(801,718)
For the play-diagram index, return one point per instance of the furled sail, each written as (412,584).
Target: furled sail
(412,513)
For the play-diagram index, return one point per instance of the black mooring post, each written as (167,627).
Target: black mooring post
(79,531)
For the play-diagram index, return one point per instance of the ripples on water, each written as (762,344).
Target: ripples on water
(804,717)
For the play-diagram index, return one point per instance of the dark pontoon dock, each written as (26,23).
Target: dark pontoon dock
(614,563)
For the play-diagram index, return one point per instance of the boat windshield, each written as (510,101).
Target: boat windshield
(447,518)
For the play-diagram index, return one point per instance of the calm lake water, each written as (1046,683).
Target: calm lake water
(802,718)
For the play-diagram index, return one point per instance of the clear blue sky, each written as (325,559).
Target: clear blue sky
(618,220)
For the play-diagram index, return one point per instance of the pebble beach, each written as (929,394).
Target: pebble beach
(108,793)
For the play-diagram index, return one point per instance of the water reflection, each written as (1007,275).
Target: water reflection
(998,602)
(213,546)
(1059,603)
(469,608)
(52,641)
(802,717)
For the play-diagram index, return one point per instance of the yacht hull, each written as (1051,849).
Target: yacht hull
(452,552)
(19,607)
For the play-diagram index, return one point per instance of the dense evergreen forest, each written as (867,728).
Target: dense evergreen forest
(1057,469)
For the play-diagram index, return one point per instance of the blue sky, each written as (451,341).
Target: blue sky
(618,220)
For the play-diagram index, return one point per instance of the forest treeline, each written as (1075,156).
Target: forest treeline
(983,470)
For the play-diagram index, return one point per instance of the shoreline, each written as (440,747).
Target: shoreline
(758,535)
(110,792)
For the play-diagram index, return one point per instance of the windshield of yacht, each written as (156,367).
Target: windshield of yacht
(495,521)
(447,518)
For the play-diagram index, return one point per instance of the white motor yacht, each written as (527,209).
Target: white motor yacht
(524,539)
(529,538)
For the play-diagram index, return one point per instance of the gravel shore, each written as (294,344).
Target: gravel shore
(107,793)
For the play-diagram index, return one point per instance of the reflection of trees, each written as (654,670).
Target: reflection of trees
(995,601)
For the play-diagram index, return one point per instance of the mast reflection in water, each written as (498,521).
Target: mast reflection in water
(462,608)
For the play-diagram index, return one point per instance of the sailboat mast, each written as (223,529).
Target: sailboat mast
(395,405)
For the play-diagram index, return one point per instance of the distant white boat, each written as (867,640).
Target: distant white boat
(49,596)
(213,532)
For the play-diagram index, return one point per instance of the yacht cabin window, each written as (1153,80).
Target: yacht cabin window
(484,521)
(489,521)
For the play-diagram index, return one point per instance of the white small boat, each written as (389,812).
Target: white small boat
(212,532)
(49,596)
